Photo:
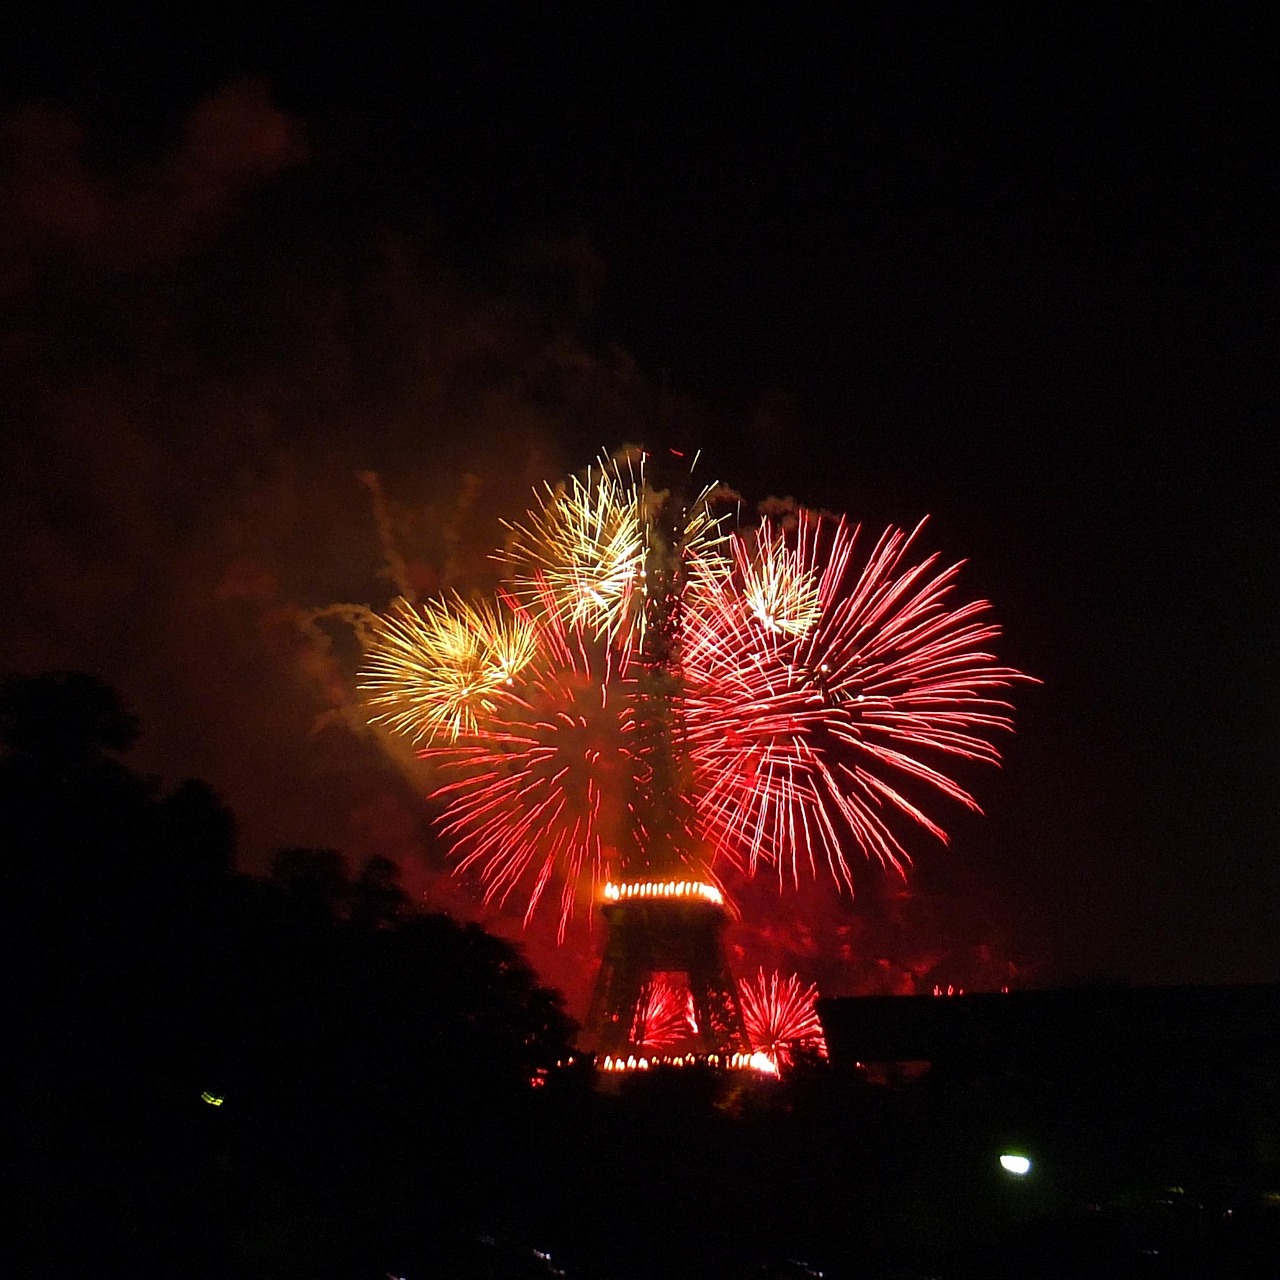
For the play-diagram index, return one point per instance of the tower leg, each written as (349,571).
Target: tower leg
(665,941)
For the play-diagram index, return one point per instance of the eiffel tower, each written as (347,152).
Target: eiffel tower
(664,924)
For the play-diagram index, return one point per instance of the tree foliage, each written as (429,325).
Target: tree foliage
(340,1030)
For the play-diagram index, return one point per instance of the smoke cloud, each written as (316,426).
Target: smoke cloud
(228,413)
(238,426)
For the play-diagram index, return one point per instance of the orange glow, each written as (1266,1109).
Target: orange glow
(663,889)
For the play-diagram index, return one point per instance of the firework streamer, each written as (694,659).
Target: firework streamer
(664,1017)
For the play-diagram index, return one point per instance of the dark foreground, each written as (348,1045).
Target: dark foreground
(678,1175)
(209,1075)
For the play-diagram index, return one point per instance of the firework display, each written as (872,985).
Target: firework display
(801,702)
(439,670)
(579,556)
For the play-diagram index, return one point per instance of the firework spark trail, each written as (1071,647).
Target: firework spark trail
(781,1016)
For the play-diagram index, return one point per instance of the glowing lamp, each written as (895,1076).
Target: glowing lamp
(213,1099)
(1017,1165)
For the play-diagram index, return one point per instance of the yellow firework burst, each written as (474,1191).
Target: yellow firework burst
(435,669)
(777,586)
(705,541)
(581,551)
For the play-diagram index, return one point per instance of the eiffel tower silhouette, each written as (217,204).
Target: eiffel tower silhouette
(665,922)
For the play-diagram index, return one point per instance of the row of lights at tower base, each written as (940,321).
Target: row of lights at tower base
(664,889)
(759,1061)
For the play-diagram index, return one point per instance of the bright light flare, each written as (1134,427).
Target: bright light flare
(758,1062)
(1015,1164)
(663,889)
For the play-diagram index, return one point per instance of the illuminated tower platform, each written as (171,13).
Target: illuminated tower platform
(666,936)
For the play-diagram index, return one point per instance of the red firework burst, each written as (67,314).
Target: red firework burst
(538,792)
(807,705)
(664,1017)
(781,1016)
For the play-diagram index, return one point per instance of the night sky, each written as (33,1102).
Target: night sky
(1009,268)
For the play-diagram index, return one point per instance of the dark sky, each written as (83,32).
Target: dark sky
(1014,269)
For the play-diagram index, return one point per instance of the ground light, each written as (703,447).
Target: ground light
(1015,1164)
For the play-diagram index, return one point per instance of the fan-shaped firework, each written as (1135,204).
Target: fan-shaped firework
(815,695)
(781,1016)
(664,1017)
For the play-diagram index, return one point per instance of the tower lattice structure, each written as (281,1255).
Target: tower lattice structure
(664,926)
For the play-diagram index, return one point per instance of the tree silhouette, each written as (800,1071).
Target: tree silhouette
(343,1031)
(317,880)
(196,833)
(378,901)
(63,716)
